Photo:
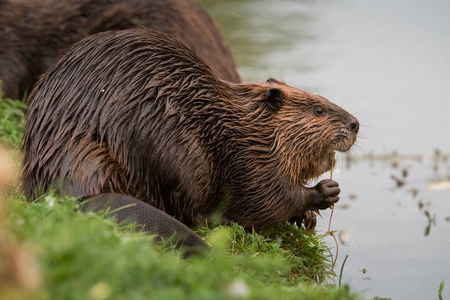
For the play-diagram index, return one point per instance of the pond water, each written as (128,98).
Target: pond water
(388,63)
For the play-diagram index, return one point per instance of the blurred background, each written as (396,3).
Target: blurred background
(387,63)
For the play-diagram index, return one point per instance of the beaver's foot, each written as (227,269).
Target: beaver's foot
(309,218)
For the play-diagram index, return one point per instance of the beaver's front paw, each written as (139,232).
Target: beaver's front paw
(328,193)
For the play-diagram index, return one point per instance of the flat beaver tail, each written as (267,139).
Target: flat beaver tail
(127,209)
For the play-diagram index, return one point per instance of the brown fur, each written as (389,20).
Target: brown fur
(33,33)
(137,113)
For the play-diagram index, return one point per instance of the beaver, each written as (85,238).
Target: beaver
(137,113)
(34,33)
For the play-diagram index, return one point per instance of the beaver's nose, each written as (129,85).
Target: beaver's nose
(354,125)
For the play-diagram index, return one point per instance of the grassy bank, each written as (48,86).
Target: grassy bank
(85,256)
(49,250)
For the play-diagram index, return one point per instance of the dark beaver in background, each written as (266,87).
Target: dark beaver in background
(33,33)
(137,113)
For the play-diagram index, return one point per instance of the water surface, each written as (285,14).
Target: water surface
(388,62)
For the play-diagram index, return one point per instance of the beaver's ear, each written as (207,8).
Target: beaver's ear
(272,80)
(274,98)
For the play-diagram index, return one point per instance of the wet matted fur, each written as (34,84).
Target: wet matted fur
(137,113)
(34,33)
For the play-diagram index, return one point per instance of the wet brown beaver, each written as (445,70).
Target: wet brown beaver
(137,113)
(33,33)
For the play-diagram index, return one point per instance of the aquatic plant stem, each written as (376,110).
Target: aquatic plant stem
(342,270)
(329,232)
(441,288)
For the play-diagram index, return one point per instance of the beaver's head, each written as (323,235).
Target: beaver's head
(307,130)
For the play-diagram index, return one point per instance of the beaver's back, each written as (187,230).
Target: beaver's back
(115,116)
(34,33)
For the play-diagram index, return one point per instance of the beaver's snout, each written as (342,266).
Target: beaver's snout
(354,125)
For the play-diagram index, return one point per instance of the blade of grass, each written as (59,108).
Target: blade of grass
(342,269)
(441,288)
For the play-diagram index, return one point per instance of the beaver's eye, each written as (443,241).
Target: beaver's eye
(319,110)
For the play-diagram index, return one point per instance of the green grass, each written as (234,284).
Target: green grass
(11,121)
(306,255)
(85,254)
(441,288)
(88,256)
